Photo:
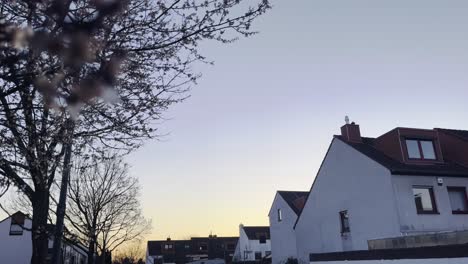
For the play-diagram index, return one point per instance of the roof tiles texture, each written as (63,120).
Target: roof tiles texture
(447,168)
(294,199)
(254,232)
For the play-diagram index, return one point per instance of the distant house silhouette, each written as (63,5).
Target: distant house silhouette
(197,249)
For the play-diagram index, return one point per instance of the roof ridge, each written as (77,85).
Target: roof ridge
(292,191)
(398,167)
(451,129)
(373,147)
(454,133)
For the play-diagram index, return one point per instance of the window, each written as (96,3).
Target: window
(458,201)
(344,220)
(231,246)
(168,246)
(420,149)
(424,200)
(262,237)
(258,255)
(203,246)
(16,230)
(16,226)
(280,215)
(187,246)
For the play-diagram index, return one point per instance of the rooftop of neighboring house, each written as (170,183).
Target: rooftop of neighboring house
(17,217)
(295,199)
(413,151)
(192,245)
(257,232)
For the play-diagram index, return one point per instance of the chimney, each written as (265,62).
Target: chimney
(168,239)
(351,132)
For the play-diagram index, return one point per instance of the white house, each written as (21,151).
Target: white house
(286,207)
(254,243)
(405,182)
(16,245)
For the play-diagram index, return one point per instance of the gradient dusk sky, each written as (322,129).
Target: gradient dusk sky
(262,117)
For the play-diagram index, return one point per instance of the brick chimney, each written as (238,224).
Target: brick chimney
(351,132)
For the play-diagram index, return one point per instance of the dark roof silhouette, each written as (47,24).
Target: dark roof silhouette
(294,199)
(155,246)
(447,168)
(462,134)
(254,232)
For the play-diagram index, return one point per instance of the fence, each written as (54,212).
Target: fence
(453,254)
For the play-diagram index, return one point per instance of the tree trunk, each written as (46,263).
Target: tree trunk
(103,253)
(62,204)
(39,236)
(91,250)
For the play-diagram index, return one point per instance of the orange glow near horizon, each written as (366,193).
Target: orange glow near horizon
(262,117)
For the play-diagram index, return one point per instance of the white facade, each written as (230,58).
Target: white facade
(283,238)
(347,180)
(16,248)
(379,204)
(248,247)
(151,259)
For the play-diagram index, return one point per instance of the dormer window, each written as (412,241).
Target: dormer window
(17,223)
(420,149)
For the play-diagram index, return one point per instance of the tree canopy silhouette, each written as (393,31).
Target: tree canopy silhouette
(65,60)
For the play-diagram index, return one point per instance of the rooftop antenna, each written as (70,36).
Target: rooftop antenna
(346,119)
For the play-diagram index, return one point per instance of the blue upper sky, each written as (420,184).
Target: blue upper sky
(262,117)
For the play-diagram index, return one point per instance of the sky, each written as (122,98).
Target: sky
(262,117)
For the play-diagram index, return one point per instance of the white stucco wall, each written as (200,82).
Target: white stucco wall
(241,246)
(400,261)
(148,258)
(15,249)
(413,223)
(380,205)
(347,180)
(250,246)
(283,238)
